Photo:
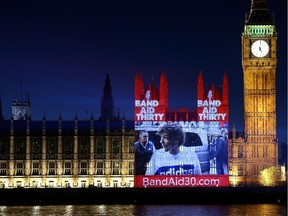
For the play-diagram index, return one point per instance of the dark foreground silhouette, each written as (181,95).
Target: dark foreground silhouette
(138,196)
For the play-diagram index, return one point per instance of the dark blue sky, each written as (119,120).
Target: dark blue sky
(62,50)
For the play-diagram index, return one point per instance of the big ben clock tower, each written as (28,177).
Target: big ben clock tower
(259,60)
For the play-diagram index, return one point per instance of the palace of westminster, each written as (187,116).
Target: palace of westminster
(100,152)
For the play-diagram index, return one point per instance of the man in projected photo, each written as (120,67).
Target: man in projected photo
(221,154)
(144,151)
(173,158)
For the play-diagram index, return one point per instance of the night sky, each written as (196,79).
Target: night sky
(61,52)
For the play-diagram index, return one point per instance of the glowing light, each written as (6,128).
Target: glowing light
(270,176)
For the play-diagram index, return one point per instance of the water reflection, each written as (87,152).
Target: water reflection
(144,210)
(36,210)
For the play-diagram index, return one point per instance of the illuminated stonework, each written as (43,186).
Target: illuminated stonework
(67,153)
(259,30)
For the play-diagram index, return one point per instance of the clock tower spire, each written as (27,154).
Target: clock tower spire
(259,13)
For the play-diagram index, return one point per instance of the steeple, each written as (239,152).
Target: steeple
(200,87)
(163,91)
(139,89)
(225,87)
(259,14)
(107,101)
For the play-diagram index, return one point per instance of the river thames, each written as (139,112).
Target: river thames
(143,210)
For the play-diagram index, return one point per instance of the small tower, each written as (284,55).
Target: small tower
(163,90)
(107,101)
(21,108)
(139,88)
(200,87)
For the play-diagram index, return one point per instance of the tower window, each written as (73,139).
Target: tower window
(99,148)
(240,170)
(115,148)
(36,148)
(84,149)
(68,148)
(3,168)
(20,148)
(4,149)
(83,168)
(35,168)
(67,168)
(131,146)
(99,168)
(131,168)
(19,168)
(51,168)
(115,168)
(240,151)
(52,148)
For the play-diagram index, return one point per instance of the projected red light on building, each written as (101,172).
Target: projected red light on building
(183,148)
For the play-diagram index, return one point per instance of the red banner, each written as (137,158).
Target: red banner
(182,181)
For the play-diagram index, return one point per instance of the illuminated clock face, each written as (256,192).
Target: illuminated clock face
(260,48)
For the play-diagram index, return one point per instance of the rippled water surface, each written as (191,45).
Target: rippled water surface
(161,210)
